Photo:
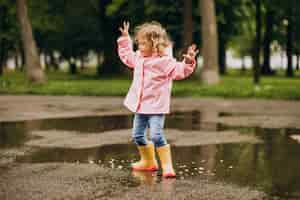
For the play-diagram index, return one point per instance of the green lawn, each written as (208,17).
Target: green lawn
(232,85)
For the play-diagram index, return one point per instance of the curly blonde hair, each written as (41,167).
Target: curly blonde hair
(154,33)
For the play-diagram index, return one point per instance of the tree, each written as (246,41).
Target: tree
(288,32)
(3,40)
(109,22)
(9,35)
(268,37)
(80,33)
(209,73)
(229,23)
(290,37)
(48,25)
(33,66)
(257,42)
(187,23)
(297,43)
(243,29)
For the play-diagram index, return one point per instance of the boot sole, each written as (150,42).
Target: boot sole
(148,169)
(169,175)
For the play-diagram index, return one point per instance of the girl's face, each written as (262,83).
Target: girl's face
(144,46)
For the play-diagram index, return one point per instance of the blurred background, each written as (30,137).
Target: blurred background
(254,37)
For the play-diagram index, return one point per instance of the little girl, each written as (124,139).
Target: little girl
(150,91)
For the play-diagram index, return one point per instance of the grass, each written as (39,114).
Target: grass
(233,85)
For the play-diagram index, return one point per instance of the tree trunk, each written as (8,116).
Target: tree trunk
(256,61)
(187,23)
(53,61)
(282,58)
(99,58)
(289,43)
(82,63)
(111,63)
(72,67)
(1,58)
(209,73)
(266,68)
(222,56)
(243,64)
(22,66)
(3,41)
(18,58)
(2,55)
(297,66)
(46,61)
(34,70)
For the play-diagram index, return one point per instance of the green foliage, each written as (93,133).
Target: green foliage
(231,15)
(73,28)
(245,30)
(9,28)
(114,7)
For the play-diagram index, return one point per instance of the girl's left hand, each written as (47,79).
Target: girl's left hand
(191,54)
(125,29)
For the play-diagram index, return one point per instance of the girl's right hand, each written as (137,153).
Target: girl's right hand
(191,54)
(124,30)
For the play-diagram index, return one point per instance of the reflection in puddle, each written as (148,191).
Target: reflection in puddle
(147,178)
(272,165)
(12,134)
(16,133)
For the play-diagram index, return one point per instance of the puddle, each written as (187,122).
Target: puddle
(272,166)
(16,133)
(12,134)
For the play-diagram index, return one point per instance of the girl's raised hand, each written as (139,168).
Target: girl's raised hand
(124,30)
(191,54)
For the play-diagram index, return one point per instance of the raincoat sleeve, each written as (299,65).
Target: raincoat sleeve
(125,51)
(179,70)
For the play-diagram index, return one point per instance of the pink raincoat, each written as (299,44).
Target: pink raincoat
(150,91)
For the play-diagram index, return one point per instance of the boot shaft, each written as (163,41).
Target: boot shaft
(148,161)
(165,157)
(147,152)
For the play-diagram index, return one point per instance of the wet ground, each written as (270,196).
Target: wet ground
(219,152)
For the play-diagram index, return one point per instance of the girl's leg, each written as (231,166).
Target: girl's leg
(140,123)
(156,123)
(146,149)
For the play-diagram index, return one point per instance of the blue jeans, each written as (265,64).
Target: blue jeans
(156,124)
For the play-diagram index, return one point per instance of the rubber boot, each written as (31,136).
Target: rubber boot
(147,161)
(165,157)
